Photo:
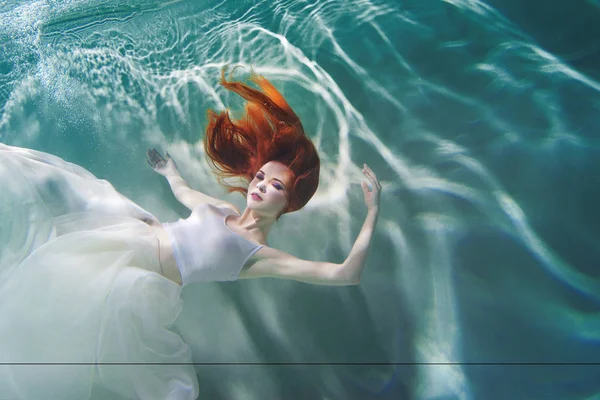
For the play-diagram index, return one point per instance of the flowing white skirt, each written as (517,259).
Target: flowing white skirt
(82,303)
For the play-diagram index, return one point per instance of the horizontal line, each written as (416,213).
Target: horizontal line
(318,363)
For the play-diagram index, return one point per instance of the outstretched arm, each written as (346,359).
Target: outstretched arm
(354,264)
(181,190)
(274,263)
(278,264)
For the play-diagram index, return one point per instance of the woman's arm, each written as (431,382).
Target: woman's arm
(355,262)
(273,263)
(181,189)
(278,264)
(351,269)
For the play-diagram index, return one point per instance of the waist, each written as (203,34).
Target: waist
(166,254)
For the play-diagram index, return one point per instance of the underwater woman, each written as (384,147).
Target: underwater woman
(91,281)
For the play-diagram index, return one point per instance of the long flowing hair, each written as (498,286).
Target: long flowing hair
(269,130)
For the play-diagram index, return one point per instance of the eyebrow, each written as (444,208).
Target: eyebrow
(260,170)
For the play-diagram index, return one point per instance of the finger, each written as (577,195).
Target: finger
(375,181)
(152,155)
(370,171)
(156,156)
(149,154)
(370,177)
(157,160)
(365,187)
(167,154)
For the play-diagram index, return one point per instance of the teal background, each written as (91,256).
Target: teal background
(479,118)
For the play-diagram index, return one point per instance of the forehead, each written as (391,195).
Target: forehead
(276,169)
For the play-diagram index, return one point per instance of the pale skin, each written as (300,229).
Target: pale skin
(254,223)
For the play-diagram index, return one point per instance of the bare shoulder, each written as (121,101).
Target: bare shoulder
(230,206)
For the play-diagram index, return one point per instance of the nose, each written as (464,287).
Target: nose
(261,186)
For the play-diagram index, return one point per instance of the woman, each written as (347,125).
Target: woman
(267,199)
(91,280)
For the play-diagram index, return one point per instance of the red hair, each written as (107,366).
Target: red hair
(269,130)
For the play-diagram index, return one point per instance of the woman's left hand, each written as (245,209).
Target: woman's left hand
(371,195)
(163,165)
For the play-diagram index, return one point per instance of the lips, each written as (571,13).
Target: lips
(256,197)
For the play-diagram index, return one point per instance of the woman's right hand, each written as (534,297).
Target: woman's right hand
(372,194)
(163,165)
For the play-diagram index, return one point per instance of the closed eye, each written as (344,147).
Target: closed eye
(275,185)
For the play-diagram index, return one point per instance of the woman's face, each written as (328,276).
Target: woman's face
(267,193)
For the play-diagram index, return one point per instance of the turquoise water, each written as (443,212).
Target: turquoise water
(480,119)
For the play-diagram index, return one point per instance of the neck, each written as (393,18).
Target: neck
(257,224)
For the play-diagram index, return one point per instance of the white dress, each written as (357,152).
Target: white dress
(80,283)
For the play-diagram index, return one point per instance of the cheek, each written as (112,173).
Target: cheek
(283,198)
(278,197)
